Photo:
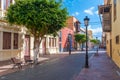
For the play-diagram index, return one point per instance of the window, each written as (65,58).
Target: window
(49,42)
(52,42)
(60,36)
(60,39)
(117,39)
(75,24)
(55,42)
(115,10)
(0,4)
(6,40)
(11,1)
(15,43)
(6,4)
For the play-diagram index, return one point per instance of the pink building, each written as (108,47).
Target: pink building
(72,27)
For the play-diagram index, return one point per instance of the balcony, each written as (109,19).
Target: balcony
(77,26)
(106,25)
(105,10)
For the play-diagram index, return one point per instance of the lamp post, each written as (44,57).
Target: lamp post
(86,21)
(97,45)
(69,42)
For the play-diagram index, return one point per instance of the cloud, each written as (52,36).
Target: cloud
(96,12)
(75,14)
(95,31)
(90,11)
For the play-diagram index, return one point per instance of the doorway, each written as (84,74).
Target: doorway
(27,45)
(44,46)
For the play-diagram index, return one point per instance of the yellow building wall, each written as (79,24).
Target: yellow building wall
(116,32)
(108,43)
(6,54)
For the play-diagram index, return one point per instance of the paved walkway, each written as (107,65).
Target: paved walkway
(101,68)
(6,66)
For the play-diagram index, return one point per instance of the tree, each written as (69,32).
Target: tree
(80,38)
(93,41)
(40,17)
(96,42)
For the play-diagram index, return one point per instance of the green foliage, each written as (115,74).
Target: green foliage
(95,41)
(80,38)
(41,17)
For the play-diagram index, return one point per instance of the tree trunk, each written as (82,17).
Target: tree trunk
(36,49)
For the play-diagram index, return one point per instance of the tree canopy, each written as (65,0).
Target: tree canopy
(95,41)
(80,38)
(41,17)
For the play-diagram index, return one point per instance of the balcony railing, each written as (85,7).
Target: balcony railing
(77,26)
(106,22)
(105,10)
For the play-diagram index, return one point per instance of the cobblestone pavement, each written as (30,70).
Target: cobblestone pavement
(101,68)
(6,66)
(64,68)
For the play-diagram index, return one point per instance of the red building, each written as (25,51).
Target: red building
(72,27)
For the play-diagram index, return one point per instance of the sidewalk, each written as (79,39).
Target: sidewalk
(101,68)
(6,66)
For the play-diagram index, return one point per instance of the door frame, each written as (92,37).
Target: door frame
(27,36)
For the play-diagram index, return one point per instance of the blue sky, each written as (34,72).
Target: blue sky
(82,8)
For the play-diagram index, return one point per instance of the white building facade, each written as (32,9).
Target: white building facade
(16,41)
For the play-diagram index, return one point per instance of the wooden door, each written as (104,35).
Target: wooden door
(44,46)
(27,45)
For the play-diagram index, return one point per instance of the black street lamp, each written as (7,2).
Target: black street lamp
(97,46)
(69,42)
(86,22)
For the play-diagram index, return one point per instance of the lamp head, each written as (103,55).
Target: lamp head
(86,21)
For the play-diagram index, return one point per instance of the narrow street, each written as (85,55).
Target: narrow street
(59,40)
(66,68)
